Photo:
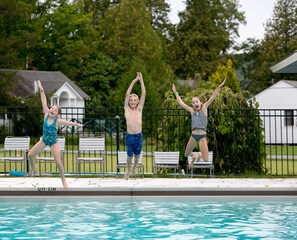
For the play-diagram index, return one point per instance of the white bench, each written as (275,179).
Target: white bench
(122,163)
(201,164)
(15,150)
(90,150)
(163,160)
(46,155)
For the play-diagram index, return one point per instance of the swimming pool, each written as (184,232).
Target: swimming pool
(151,218)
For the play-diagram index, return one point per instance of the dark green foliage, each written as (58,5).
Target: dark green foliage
(99,79)
(235,131)
(15,34)
(3,133)
(205,33)
(7,82)
(279,42)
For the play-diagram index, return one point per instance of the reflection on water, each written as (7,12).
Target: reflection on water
(160,218)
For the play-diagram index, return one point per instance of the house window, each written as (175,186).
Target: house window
(55,101)
(289,118)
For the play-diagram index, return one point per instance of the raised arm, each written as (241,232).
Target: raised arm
(126,104)
(180,101)
(68,123)
(43,98)
(143,92)
(214,94)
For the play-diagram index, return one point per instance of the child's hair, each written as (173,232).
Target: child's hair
(134,95)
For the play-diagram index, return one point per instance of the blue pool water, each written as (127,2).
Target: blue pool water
(151,218)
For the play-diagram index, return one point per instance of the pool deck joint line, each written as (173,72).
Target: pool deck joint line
(49,186)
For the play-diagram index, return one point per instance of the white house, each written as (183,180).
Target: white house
(58,88)
(278,110)
(278,105)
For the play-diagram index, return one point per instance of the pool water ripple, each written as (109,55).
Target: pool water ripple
(91,218)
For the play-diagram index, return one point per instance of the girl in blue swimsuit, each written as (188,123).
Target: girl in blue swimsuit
(198,112)
(49,138)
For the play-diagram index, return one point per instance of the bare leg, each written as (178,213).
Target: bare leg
(57,156)
(136,159)
(204,149)
(189,150)
(37,148)
(129,163)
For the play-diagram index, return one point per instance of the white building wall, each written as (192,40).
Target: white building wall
(278,98)
(71,102)
(275,129)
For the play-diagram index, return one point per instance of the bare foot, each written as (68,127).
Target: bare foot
(133,171)
(65,185)
(127,175)
(194,159)
(32,171)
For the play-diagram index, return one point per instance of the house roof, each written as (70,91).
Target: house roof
(291,82)
(281,95)
(288,65)
(51,82)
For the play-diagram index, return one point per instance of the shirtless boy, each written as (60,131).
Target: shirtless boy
(133,114)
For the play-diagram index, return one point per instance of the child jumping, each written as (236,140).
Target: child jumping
(133,114)
(198,112)
(50,138)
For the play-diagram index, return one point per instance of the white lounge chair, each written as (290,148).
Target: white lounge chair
(201,164)
(122,163)
(90,150)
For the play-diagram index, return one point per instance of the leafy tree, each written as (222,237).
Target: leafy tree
(159,15)
(98,9)
(280,40)
(99,78)
(245,62)
(66,39)
(207,29)
(131,41)
(7,83)
(227,72)
(14,32)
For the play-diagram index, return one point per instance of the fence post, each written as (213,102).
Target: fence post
(27,134)
(27,121)
(117,117)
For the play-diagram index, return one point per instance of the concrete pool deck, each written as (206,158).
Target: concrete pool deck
(51,186)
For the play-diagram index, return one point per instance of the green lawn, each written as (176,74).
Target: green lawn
(284,165)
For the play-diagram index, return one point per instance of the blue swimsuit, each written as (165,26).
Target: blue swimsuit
(134,144)
(49,132)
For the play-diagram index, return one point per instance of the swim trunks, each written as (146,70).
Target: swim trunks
(134,144)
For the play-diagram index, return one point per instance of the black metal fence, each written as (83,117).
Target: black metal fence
(279,130)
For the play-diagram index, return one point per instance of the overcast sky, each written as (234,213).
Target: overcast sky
(257,12)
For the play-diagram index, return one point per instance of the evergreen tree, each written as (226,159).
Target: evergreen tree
(65,40)
(130,41)
(15,25)
(280,40)
(206,31)
(159,11)
(226,72)
(245,62)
